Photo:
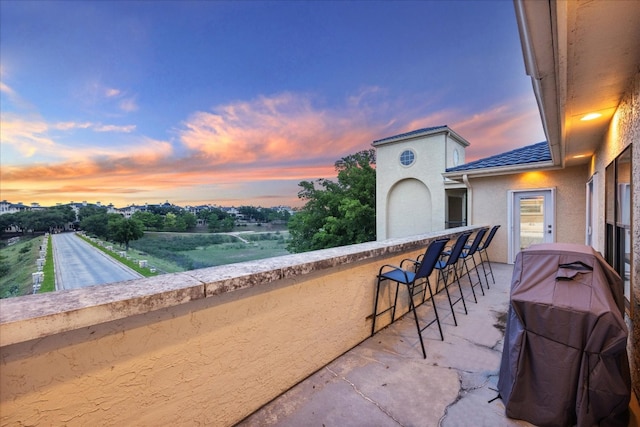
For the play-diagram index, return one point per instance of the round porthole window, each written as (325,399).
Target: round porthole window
(407,157)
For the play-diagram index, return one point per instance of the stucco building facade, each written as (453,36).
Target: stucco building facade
(410,191)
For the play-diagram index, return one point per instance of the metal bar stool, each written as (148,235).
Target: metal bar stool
(402,276)
(446,266)
(482,249)
(469,252)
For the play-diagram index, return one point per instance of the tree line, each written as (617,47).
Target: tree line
(40,220)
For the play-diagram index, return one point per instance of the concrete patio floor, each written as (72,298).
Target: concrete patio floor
(385,381)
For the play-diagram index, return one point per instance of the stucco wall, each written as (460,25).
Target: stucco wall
(623,131)
(208,361)
(490,203)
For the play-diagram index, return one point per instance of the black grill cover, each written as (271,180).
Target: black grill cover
(564,360)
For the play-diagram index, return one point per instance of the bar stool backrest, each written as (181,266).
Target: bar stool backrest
(489,238)
(476,241)
(430,258)
(458,247)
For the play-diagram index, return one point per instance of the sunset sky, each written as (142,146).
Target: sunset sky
(235,103)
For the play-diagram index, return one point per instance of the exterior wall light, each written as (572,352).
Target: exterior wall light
(590,116)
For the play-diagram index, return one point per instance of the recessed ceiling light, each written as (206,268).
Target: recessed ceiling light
(590,116)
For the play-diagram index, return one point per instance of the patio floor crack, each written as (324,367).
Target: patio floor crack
(365,397)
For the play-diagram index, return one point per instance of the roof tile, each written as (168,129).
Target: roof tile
(530,154)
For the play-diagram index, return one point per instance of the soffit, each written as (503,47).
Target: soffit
(581,56)
(602,56)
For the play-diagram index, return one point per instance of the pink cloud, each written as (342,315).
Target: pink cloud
(280,129)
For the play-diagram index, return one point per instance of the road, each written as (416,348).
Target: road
(78,264)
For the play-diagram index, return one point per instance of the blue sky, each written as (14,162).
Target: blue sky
(235,103)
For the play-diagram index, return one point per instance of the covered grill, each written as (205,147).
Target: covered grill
(564,360)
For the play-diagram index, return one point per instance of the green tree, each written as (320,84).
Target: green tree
(227,223)
(43,220)
(149,220)
(179,224)
(217,220)
(213,223)
(125,230)
(90,210)
(6,221)
(57,217)
(277,215)
(337,213)
(95,224)
(21,221)
(189,220)
(169,222)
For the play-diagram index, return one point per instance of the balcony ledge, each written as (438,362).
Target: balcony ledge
(36,316)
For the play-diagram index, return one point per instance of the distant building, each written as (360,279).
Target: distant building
(8,208)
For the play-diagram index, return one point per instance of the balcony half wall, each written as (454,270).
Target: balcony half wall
(206,346)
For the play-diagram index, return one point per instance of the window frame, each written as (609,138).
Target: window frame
(617,219)
(409,153)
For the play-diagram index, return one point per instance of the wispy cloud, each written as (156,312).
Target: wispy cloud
(10,96)
(110,92)
(72,125)
(114,128)
(96,127)
(6,90)
(94,94)
(28,136)
(128,105)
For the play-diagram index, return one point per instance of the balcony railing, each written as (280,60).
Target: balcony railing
(210,345)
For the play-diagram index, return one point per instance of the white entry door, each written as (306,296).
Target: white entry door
(532,219)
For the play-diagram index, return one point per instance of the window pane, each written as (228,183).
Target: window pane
(407,157)
(531,221)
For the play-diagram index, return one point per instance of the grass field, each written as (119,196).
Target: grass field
(171,252)
(17,263)
(49,281)
(229,253)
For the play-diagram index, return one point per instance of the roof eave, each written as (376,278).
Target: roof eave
(537,27)
(443,129)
